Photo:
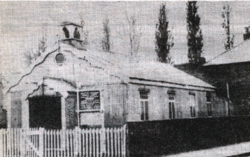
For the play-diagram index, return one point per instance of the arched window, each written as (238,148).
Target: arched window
(76,34)
(66,32)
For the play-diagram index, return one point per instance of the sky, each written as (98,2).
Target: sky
(22,24)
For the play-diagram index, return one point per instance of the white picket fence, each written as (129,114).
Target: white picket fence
(96,142)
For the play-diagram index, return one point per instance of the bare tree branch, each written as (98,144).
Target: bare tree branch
(134,33)
(106,38)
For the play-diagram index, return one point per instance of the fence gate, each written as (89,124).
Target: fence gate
(33,139)
(16,142)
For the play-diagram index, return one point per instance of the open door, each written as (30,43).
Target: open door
(45,111)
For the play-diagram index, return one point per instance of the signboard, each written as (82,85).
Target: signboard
(88,118)
(89,100)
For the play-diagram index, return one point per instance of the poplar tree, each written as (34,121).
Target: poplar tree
(194,37)
(229,41)
(164,39)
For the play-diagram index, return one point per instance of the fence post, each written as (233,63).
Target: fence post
(76,141)
(126,141)
(23,141)
(103,142)
(41,149)
(63,134)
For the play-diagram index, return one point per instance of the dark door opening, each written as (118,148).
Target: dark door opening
(45,111)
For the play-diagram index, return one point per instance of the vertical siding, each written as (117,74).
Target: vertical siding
(156,103)
(182,101)
(107,105)
(218,106)
(114,102)
(202,104)
(70,109)
(16,110)
(134,110)
(179,103)
(164,101)
(1,92)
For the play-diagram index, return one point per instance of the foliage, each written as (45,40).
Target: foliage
(106,38)
(229,41)
(194,37)
(164,39)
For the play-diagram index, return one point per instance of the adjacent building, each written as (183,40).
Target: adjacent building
(230,73)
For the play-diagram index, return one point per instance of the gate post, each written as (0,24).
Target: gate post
(41,149)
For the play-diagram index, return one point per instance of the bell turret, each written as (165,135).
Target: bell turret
(72,35)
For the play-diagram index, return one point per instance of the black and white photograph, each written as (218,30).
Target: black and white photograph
(124,78)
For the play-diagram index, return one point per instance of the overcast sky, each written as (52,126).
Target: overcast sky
(22,24)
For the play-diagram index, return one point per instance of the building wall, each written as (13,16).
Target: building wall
(16,110)
(112,112)
(114,104)
(121,103)
(158,100)
(3,112)
(1,93)
(237,77)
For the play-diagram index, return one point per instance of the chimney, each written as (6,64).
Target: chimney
(246,36)
(72,35)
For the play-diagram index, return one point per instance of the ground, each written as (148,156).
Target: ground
(236,150)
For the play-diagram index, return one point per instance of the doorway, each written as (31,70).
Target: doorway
(45,112)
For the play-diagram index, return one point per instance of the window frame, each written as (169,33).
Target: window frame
(171,105)
(192,104)
(209,104)
(144,104)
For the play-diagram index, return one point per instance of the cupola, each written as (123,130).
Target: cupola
(72,35)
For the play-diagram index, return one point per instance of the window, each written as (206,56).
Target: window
(209,104)
(144,104)
(60,59)
(171,102)
(66,32)
(192,104)
(192,111)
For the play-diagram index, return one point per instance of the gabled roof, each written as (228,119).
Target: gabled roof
(97,67)
(165,73)
(238,54)
(123,66)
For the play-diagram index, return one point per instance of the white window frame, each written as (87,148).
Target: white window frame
(192,104)
(171,106)
(144,104)
(209,105)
